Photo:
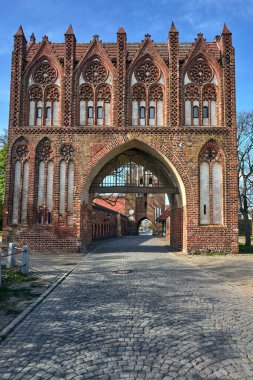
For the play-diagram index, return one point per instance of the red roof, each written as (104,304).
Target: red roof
(112,203)
(164,215)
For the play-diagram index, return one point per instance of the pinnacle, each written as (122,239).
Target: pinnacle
(173,29)
(32,38)
(70,30)
(20,32)
(121,30)
(225,29)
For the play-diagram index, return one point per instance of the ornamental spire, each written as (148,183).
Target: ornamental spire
(173,29)
(70,30)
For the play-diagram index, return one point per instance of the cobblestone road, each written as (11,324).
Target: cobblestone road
(163,320)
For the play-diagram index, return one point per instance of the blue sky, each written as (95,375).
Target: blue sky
(104,17)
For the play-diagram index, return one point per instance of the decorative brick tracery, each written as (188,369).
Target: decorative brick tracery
(44,73)
(147,72)
(86,92)
(95,73)
(103,92)
(139,92)
(44,150)
(52,93)
(67,151)
(192,92)
(156,92)
(20,149)
(210,152)
(209,92)
(36,93)
(200,72)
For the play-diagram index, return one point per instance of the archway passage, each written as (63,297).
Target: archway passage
(141,181)
(133,172)
(145,227)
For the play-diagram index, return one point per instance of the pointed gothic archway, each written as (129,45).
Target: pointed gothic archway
(135,167)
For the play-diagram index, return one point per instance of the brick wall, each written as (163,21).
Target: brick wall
(174,145)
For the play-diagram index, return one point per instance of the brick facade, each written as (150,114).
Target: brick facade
(58,140)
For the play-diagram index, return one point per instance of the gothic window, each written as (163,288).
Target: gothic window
(62,187)
(35,105)
(48,113)
(142,112)
(86,102)
(100,112)
(103,99)
(209,101)
(16,196)
(20,155)
(39,113)
(200,92)
(156,103)
(95,95)
(138,103)
(151,113)
(195,112)
(205,112)
(70,192)
(44,94)
(44,181)
(52,97)
(192,100)
(90,112)
(211,185)
(147,93)
(66,181)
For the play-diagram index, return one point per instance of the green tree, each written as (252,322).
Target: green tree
(245,168)
(3,161)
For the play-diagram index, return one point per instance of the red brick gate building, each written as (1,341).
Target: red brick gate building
(77,108)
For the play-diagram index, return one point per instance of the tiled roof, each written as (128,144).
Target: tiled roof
(132,50)
(119,206)
(164,215)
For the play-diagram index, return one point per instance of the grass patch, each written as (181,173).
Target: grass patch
(5,293)
(14,275)
(245,248)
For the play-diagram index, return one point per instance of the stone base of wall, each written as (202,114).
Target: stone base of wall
(44,239)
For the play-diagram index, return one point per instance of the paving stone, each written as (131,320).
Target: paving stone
(165,320)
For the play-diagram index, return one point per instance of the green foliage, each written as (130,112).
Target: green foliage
(245,248)
(14,275)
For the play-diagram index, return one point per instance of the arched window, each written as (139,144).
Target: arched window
(103,99)
(44,106)
(48,113)
(70,198)
(39,112)
(205,112)
(151,112)
(44,181)
(211,185)
(138,102)
(209,101)
(90,112)
(20,181)
(156,104)
(195,112)
(142,112)
(86,101)
(35,105)
(52,97)
(100,112)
